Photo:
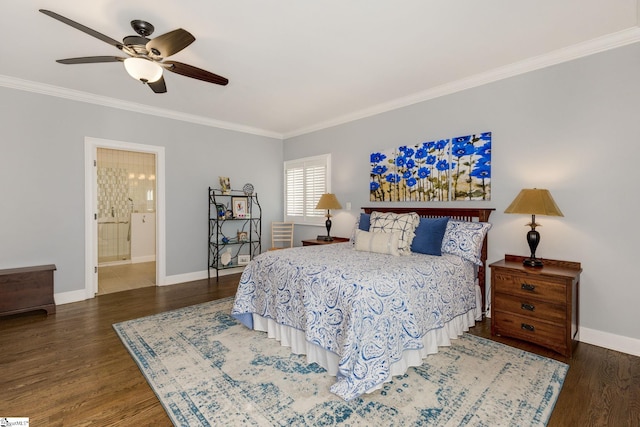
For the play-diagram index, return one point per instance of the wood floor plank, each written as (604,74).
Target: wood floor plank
(71,369)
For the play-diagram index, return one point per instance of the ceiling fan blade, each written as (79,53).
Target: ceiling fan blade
(194,72)
(90,60)
(83,28)
(158,86)
(170,43)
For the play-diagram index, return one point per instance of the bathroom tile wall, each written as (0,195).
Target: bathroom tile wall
(126,180)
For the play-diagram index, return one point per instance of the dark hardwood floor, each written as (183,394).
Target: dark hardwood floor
(70,369)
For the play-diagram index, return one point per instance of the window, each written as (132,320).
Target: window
(305,180)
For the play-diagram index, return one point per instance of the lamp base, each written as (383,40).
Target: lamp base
(532,262)
(328,238)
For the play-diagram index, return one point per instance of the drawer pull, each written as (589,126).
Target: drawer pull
(528,307)
(528,327)
(528,287)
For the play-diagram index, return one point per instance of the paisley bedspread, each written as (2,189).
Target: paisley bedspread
(365,307)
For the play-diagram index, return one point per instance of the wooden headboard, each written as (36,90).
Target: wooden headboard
(462,214)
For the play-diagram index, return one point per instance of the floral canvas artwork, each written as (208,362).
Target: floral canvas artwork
(442,170)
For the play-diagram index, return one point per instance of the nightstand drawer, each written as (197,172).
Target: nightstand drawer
(528,307)
(550,335)
(530,287)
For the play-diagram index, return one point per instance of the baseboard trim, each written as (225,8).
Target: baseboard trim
(144,258)
(611,341)
(69,297)
(199,275)
(182,278)
(80,295)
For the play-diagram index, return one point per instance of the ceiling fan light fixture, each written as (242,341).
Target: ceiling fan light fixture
(145,57)
(143,69)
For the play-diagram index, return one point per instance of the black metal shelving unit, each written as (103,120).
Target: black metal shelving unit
(224,228)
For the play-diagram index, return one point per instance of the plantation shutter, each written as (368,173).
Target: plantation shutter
(305,181)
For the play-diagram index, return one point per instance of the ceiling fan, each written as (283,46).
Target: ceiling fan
(145,61)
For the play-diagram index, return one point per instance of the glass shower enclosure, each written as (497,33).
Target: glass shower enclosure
(126,185)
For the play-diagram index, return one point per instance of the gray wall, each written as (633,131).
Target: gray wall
(572,128)
(42,179)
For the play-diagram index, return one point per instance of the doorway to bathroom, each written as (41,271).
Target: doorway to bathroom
(124,229)
(126,184)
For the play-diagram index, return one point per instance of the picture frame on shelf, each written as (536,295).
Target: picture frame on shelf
(244,259)
(243,236)
(239,207)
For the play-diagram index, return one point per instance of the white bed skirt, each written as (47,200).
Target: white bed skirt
(295,339)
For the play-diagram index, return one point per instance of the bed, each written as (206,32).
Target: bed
(362,311)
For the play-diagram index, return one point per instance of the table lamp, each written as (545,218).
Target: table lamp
(533,202)
(328,201)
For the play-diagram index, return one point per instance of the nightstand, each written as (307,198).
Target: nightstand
(539,305)
(312,242)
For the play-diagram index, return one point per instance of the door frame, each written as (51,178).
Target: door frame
(91,146)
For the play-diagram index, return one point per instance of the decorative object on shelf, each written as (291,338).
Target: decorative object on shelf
(244,259)
(248,189)
(328,201)
(228,214)
(239,207)
(533,202)
(225,258)
(225,184)
(220,209)
(225,239)
(243,236)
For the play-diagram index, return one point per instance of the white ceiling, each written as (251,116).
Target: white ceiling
(295,65)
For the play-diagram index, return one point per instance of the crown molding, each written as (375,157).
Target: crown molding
(74,95)
(610,41)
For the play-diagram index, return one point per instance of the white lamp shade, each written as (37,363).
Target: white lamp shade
(143,69)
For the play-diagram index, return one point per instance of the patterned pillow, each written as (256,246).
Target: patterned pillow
(389,222)
(465,239)
(382,243)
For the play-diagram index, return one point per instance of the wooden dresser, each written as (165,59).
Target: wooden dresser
(539,305)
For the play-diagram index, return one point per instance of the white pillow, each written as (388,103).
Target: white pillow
(382,243)
(465,239)
(389,222)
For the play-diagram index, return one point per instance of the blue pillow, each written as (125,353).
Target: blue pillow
(429,234)
(365,222)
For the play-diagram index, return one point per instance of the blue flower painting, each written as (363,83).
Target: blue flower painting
(471,174)
(441,170)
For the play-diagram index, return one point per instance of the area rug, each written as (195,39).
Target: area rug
(209,370)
